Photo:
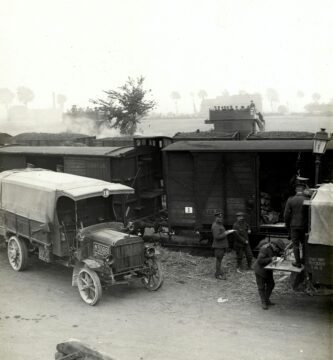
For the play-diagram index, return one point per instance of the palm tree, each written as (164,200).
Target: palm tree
(25,95)
(316,97)
(6,97)
(300,97)
(193,102)
(300,94)
(272,96)
(61,99)
(175,96)
(202,94)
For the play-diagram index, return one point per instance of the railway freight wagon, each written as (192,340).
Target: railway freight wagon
(255,177)
(138,166)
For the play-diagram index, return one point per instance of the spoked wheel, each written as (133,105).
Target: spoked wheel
(17,252)
(89,286)
(153,279)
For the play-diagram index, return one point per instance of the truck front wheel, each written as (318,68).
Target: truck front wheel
(153,278)
(89,285)
(17,252)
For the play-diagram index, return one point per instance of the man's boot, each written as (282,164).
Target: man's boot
(268,295)
(263,299)
(297,263)
(249,265)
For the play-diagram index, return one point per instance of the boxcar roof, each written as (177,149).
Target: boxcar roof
(203,135)
(281,135)
(244,145)
(107,151)
(50,136)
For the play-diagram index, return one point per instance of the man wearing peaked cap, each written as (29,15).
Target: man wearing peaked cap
(220,243)
(295,217)
(279,243)
(264,277)
(241,244)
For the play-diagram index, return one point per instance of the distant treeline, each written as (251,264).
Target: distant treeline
(322,109)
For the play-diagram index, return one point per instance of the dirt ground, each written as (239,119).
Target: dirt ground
(183,320)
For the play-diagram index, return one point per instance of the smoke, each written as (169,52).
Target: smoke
(19,120)
(87,126)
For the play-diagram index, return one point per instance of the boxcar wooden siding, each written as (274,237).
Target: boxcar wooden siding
(206,182)
(180,189)
(8,162)
(123,168)
(87,166)
(241,186)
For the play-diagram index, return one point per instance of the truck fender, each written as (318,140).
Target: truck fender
(92,264)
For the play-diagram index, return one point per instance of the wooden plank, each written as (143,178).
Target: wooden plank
(8,162)
(97,168)
(75,165)
(208,180)
(179,206)
(285,265)
(240,185)
(122,168)
(196,190)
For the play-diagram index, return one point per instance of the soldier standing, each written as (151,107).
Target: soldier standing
(295,217)
(220,244)
(241,244)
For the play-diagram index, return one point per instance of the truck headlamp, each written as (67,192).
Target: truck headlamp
(109,260)
(149,251)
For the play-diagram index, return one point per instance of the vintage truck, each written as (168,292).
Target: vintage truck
(70,220)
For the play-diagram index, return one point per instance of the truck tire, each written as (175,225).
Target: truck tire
(89,286)
(17,252)
(153,279)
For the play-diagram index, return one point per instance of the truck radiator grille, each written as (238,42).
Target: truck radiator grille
(128,256)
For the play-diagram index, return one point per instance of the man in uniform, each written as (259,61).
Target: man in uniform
(295,217)
(264,277)
(220,244)
(241,243)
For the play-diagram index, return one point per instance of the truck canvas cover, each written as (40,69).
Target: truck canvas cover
(322,216)
(32,193)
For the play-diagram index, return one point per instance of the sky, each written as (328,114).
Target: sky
(81,47)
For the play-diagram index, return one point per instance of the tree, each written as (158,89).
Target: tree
(202,94)
(25,95)
(193,103)
(6,97)
(300,94)
(282,109)
(316,97)
(61,99)
(175,96)
(272,96)
(125,107)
